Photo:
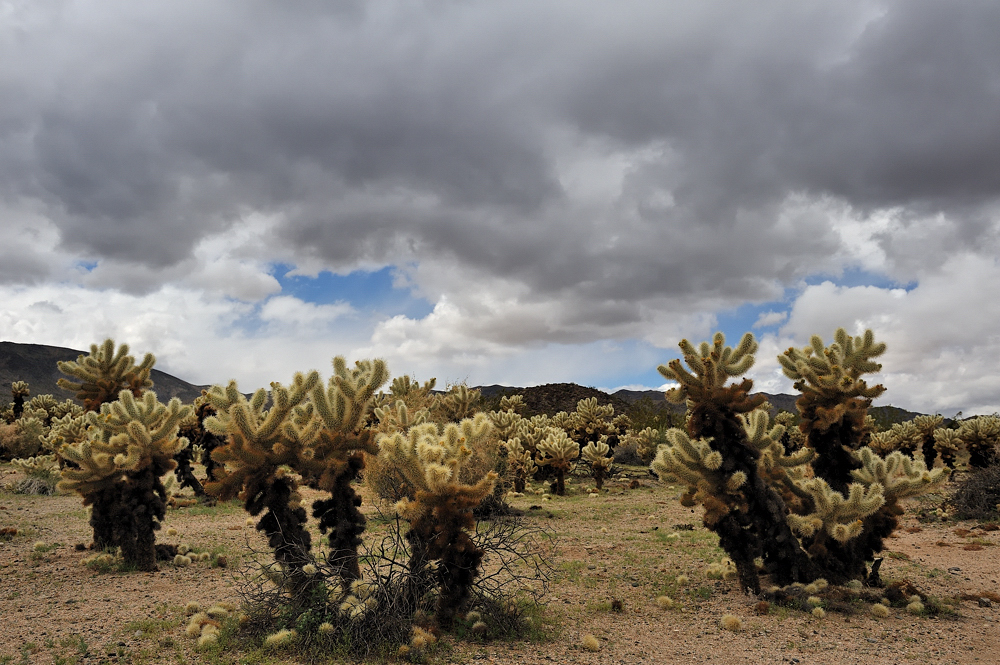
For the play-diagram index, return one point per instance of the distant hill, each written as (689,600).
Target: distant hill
(36,364)
(555,397)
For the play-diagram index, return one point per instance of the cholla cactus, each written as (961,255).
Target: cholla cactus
(947,442)
(597,453)
(41,475)
(456,404)
(716,454)
(904,437)
(927,425)
(506,423)
(47,408)
(839,501)
(981,436)
(118,467)
(193,429)
(440,512)
(513,403)
(333,459)
(258,460)
(558,451)
(520,462)
(19,391)
(835,399)
(104,373)
(591,422)
(647,441)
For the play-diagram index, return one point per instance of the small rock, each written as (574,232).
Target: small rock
(985,602)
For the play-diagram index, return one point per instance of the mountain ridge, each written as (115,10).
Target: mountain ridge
(36,364)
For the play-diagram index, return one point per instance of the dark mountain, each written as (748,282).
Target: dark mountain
(36,364)
(564,396)
(554,397)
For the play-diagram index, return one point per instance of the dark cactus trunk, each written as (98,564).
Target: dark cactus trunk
(340,516)
(284,527)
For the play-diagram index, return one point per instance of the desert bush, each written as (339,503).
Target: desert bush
(41,475)
(392,599)
(627,453)
(978,495)
(21,438)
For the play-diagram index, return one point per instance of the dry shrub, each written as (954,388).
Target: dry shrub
(513,580)
(626,454)
(20,438)
(978,495)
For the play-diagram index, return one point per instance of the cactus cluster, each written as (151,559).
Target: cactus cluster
(821,510)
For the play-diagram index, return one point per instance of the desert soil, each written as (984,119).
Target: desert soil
(618,546)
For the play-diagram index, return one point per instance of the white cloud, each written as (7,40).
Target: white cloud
(941,335)
(769,318)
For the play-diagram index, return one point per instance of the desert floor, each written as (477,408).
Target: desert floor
(629,544)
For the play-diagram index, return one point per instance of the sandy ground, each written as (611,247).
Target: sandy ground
(616,547)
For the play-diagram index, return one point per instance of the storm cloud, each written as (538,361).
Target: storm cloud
(541,172)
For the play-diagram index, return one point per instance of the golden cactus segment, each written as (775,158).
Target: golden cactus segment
(104,372)
(897,474)
(841,517)
(125,436)
(711,365)
(835,371)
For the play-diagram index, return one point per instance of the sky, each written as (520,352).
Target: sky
(516,193)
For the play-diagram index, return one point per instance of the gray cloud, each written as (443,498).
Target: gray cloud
(440,133)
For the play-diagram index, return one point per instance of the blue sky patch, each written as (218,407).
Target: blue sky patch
(369,292)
